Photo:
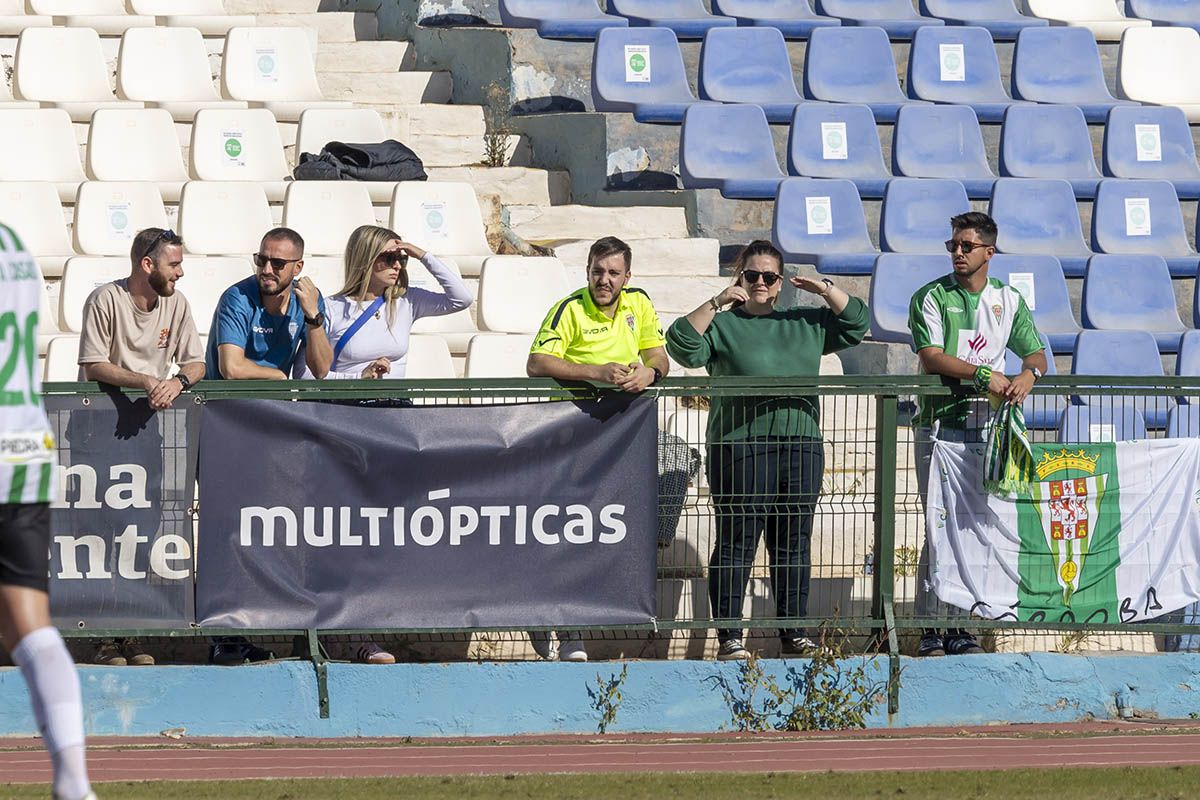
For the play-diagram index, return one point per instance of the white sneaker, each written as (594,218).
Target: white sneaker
(371,653)
(572,650)
(544,644)
(732,650)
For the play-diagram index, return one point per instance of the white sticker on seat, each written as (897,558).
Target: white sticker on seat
(433,219)
(1102,432)
(833,141)
(233,147)
(1149,142)
(637,63)
(953,62)
(266,65)
(1023,283)
(118,222)
(1137,216)
(820,216)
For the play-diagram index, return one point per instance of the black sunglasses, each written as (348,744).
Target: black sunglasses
(261,261)
(967,247)
(752,275)
(164,236)
(392,257)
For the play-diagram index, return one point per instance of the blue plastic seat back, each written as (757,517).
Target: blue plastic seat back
(916,213)
(835,140)
(1129,292)
(955,65)
(770,10)
(1116,353)
(939,142)
(1040,280)
(723,142)
(868,9)
(1186,11)
(1183,421)
(896,279)
(1046,141)
(1188,360)
(853,65)
(575,18)
(1101,422)
(1121,222)
(1012,361)
(746,65)
(688,18)
(1058,65)
(617,79)
(1037,216)
(1042,411)
(1149,143)
(971,9)
(806,206)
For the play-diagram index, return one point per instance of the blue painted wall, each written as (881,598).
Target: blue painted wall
(491,699)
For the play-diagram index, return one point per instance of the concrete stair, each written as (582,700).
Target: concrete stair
(365,57)
(692,257)
(440,150)
(513,185)
(333,26)
(388,88)
(538,224)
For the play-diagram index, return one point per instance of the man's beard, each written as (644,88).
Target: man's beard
(161,286)
(280,287)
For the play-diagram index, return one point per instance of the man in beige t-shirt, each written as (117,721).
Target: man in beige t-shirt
(136,328)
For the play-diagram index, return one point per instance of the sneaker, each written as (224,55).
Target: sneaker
(797,646)
(572,650)
(371,653)
(236,651)
(932,644)
(109,654)
(963,644)
(732,650)
(135,655)
(544,644)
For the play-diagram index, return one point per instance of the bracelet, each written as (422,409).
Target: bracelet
(983,378)
(828,285)
(183,381)
(713,304)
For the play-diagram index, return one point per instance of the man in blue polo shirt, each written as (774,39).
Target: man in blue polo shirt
(258,332)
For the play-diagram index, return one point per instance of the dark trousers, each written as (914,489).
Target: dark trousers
(763,487)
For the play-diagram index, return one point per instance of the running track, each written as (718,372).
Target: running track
(135,760)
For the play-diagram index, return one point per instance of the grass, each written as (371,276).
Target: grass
(1120,783)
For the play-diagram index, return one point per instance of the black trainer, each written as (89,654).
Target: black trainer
(963,644)
(236,650)
(932,644)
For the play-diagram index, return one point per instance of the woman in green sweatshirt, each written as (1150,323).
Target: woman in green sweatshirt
(765,455)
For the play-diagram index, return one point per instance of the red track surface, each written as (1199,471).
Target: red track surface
(143,759)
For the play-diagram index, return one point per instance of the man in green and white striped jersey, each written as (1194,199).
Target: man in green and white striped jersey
(961,325)
(26,488)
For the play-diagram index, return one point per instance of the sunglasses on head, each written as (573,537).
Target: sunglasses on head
(393,257)
(261,261)
(163,236)
(967,247)
(751,277)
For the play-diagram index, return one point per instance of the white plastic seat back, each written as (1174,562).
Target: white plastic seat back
(62,360)
(1102,17)
(319,126)
(1159,66)
(134,145)
(325,213)
(40,145)
(222,218)
(327,272)
(237,145)
(164,64)
(108,214)
(33,210)
(443,218)
(270,63)
(498,355)
(205,278)
(428,357)
(68,8)
(82,276)
(61,65)
(516,292)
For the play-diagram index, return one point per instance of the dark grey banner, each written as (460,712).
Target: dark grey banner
(337,516)
(121,537)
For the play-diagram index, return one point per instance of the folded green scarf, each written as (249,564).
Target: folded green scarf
(1008,459)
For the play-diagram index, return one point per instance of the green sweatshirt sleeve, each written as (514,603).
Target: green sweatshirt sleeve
(848,328)
(686,346)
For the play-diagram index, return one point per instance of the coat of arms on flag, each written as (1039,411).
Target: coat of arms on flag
(1067,509)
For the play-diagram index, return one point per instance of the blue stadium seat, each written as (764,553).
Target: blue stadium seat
(559,19)
(916,213)
(838,140)
(1094,424)
(1183,421)
(1062,65)
(1118,227)
(853,65)
(897,17)
(1049,301)
(793,18)
(896,278)
(1187,363)
(1000,17)
(942,142)
(1121,353)
(1177,13)
(749,65)
(1132,293)
(957,65)
(1040,217)
(821,222)
(1164,151)
(688,18)
(1047,141)
(729,147)
(1044,410)
(663,98)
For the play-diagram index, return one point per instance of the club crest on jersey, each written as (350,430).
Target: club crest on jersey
(631,322)
(997,312)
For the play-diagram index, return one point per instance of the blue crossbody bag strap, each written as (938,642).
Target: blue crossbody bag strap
(354,326)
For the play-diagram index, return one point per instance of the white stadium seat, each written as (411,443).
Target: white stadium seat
(1101,17)
(14,18)
(82,276)
(458,328)
(205,279)
(108,214)
(39,145)
(325,213)
(136,144)
(274,68)
(62,360)
(428,357)
(106,17)
(207,16)
(498,355)
(443,218)
(319,126)
(168,68)
(516,292)
(33,210)
(239,145)
(65,67)
(1159,66)
(223,218)
(327,272)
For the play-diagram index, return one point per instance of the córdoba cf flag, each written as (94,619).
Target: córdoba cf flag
(1105,532)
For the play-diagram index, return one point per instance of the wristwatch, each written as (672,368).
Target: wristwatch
(1037,373)
(183,381)
(657,375)
(713,304)
(315,322)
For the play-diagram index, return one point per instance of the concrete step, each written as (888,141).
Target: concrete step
(438,150)
(365,57)
(652,257)
(407,88)
(674,296)
(514,185)
(539,224)
(339,26)
(406,120)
